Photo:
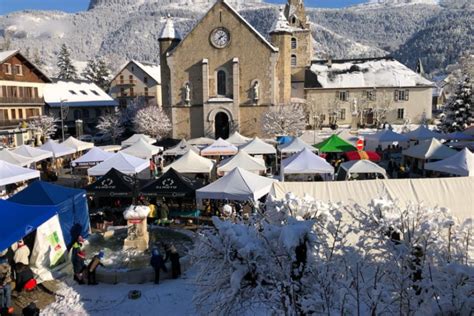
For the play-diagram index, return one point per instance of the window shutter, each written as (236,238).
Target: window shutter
(395,95)
(347,96)
(406,95)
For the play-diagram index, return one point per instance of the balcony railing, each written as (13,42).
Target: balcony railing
(125,82)
(137,95)
(13,100)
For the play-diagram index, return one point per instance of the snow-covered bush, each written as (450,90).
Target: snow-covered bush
(302,256)
(284,119)
(44,125)
(153,121)
(111,123)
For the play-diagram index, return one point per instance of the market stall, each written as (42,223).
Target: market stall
(360,170)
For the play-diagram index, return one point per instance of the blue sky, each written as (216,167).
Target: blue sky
(7,6)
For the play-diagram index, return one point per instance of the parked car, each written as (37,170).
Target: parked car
(86,138)
(102,138)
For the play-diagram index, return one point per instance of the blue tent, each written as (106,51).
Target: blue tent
(20,220)
(284,139)
(71,206)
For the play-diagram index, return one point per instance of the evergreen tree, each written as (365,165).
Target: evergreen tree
(67,70)
(458,112)
(97,72)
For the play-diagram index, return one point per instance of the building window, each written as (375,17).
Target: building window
(293,43)
(72,92)
(146,91)
(293,20)
(342,114)
(20,114)
(121,79)
(343,95)
(13,114)
(145,79)
(401,95)
(83,92)
(131,92)
(130,78)
(3,115)
(95,92)
(293,60)
(400,114)
(221,82)
(133,69)
(19,70)
(371,95)
(7,68)
(122,92)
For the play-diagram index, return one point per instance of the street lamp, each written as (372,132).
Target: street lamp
(62,115)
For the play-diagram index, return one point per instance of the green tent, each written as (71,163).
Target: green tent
(334,144)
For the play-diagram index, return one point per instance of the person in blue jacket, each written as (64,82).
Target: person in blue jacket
(157,263)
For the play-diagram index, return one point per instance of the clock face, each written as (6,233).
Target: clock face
(220,37)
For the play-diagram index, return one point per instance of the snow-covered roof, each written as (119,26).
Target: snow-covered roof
(76,94)
(169,31)
(7,54)
(363,73)
(281,24)
(153,70)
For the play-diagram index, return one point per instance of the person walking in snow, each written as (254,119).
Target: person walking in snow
(79,267)
(157,263)
(172,254)
(92,267)
(22,253)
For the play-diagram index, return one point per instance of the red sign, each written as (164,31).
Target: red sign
(360,144)
(135,221)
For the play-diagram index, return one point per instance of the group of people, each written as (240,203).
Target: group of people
(157,261)
(81,271)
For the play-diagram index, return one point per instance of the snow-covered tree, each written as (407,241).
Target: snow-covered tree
(67,70)
(284,120)
(111,123)
(152,121)
(45,125)
(458,112)
(97,72)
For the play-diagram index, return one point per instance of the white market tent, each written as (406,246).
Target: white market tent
(244,161)
(201,141)
(306,162)
(10,173)
(461,164)
(58,150)
(428,150)
(135,138)
(350,168)
(35,153)
(423,133)
(311,137)
(92,157)
(76,144)
(220,148)
(348,136)
(191,162)
(384,138)
(237,185)
(237,139)
(295,146)
(182,148)
(122,162)
(258,147)
(19,160)
(142,149)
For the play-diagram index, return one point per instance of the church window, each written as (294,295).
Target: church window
(221,82)
(293,60)
(293,43)
(293,20)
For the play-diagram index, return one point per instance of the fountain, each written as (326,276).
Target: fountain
(137,229)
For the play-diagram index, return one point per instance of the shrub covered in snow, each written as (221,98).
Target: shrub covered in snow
(302,256)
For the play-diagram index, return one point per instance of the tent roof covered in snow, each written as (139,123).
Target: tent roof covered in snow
(386,136)
(244,161)
(201,141)
(142,149)
(32,152)
(258,147)
(19,220)
(122,162)
(58,150)
(71,205)
(92,157)
(238,185)
(10,173)
(181,149)
(16,159)
(76,144)
(220,148)
(192,163)
(115,184)
(237,139)
(334,144)
(430,149)
(359,166)
(460,164)
(135,138)
(423,133)
(172,184)
(306,162)
(295,146)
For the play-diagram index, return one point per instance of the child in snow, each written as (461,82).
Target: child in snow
(157,263)
(92,267)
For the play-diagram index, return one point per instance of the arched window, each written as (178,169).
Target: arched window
(221,82)
(293,60)
(293,43)
(293,20)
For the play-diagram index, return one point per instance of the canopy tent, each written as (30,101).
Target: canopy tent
(469,131)
(10,173)
(244,161)
(135,138)
(122,162)
(167,142)
(76,144)
(362,155)
(306,162)
(142,149)
(220,148)
(19,160)
(458,136)
(423,133)
(71,205)
(281,140)
(348,136)
(34,153)
(462,145)
(334,144)
(20,220)
(192,163)
(58,150)
(427,150)
(237,139)
(181,149)
(114,184)
(296,145)
(347,170)
(110,148)
(92,157)
(258,147)
(384,138)
(201,141)
(461,164)
(172,184)
(311,137)
(238,185)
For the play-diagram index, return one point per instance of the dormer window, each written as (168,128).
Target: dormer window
(19,70)
(72,92)
(7,68)
(83,92)
(94,92)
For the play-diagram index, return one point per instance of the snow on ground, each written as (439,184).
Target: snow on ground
(170,297)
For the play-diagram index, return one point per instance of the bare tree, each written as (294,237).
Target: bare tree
(111,123)
(284,120)
(153,121)
(383,106)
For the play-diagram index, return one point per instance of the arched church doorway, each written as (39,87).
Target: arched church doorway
(221,125)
